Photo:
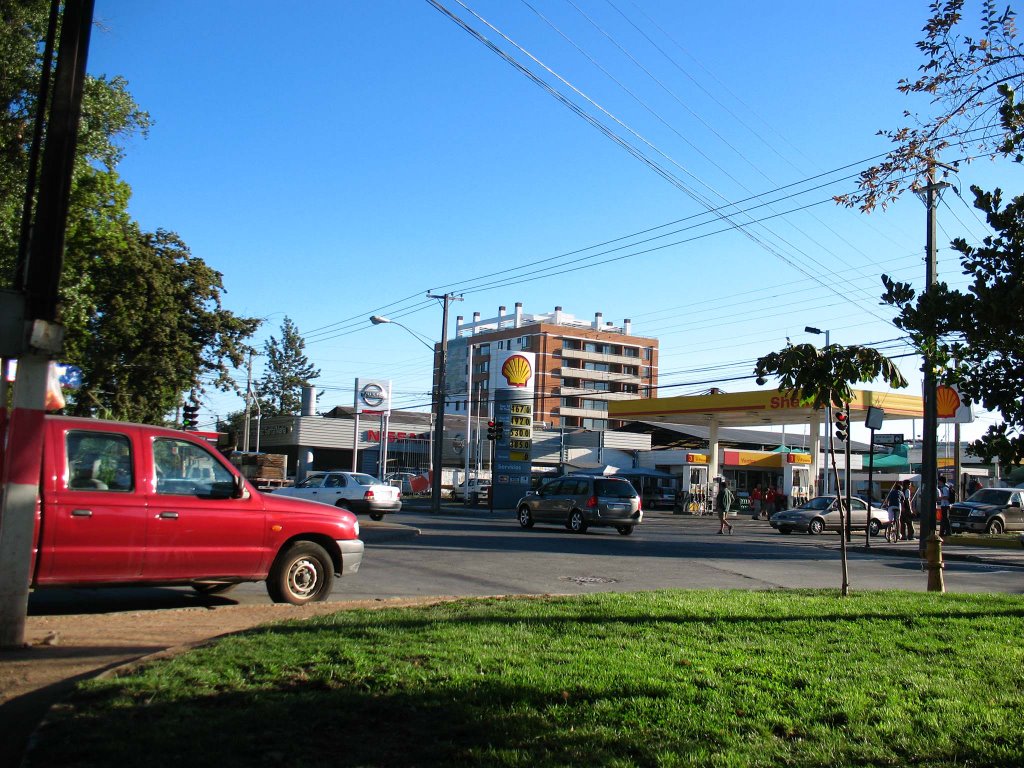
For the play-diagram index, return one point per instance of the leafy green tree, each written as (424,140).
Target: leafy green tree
(972,337)
(821,377)
(287,371)
(143,317)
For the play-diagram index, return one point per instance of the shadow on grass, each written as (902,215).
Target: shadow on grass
(312,723)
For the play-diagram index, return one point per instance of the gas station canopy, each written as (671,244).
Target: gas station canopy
(757,408)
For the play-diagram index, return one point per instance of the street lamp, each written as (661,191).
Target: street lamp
(828,410)
(437,423)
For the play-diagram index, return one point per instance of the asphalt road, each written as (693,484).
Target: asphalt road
(480,553)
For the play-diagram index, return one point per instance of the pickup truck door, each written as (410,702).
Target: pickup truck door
(94,518)
(195,529)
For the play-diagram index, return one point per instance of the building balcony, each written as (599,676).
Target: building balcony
(582,373)
(583,413)
(597,357)
(594,394)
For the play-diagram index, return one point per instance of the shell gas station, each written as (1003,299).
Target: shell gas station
(800,471)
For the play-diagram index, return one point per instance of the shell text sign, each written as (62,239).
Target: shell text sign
(517,371)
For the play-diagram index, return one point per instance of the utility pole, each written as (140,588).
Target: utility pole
(31,332)
(930,545)
(441,355)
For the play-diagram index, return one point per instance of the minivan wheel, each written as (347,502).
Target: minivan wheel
(577,523)
(625,530)
(817,526)
(995,526)
(525,518)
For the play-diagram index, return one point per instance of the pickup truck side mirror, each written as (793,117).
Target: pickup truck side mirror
(240,491)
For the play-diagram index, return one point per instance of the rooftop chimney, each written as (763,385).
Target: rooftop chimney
(501,316)
(597,320)
(558,315)
(627,327)
(519,314)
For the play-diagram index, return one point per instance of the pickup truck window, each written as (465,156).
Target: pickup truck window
(99,461)
(186,469)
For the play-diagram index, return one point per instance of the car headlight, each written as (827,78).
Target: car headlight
(356,528)
(977,513)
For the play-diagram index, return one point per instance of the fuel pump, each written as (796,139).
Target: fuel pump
(695,495)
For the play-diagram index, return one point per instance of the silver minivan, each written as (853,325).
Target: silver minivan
(580,501)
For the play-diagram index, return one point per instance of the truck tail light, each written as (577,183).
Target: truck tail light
(592,502)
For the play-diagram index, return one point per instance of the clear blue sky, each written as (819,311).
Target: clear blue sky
(339,159)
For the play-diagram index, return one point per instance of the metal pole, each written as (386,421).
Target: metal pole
(871,488)
(248,405)
(828,429)
(469,406)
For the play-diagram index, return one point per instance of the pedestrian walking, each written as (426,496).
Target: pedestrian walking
(755,502)
(945,492)
(724,500)
(906,513)
(769,501)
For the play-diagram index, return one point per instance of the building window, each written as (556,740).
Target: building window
(648,352)
(629,370)
(524,342)
(595,424)
(599,386)
(630,352)
(484,349)
(595,405)
(591,366)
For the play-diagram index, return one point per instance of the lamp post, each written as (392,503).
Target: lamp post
(828,411)
(437,443)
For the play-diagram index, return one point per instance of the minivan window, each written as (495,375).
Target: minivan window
(621,489)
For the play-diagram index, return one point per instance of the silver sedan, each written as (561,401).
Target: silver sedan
(821,514)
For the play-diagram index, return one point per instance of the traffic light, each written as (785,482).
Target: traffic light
(495,430)
(842,426)
(189,416)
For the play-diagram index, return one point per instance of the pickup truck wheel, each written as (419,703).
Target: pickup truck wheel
(302,573)
(996,526)
(213,589)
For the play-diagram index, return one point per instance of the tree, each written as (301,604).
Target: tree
(972,337)
(821,377)
(971,82)
(142,316)
(287,371)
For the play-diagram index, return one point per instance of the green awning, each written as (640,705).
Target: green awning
(886,461)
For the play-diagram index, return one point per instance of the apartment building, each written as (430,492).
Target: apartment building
(580,365)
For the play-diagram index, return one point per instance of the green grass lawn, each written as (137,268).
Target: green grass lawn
(656,678)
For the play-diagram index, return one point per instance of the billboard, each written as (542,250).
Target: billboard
(373,396)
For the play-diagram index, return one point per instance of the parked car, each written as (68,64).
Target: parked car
(476,491)
(821,514)
(579,501)
(354,491)
(990,510)
(402,480)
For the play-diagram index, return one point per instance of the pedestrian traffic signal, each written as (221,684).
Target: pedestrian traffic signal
(189,416)
(842,426)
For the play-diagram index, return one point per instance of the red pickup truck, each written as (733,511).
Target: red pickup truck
(134,504)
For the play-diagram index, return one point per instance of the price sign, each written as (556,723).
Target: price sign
(521,445)
(519,432)
(522,408)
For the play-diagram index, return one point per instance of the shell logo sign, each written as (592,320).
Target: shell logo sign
(517,371)
(947,401)
(950,406)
